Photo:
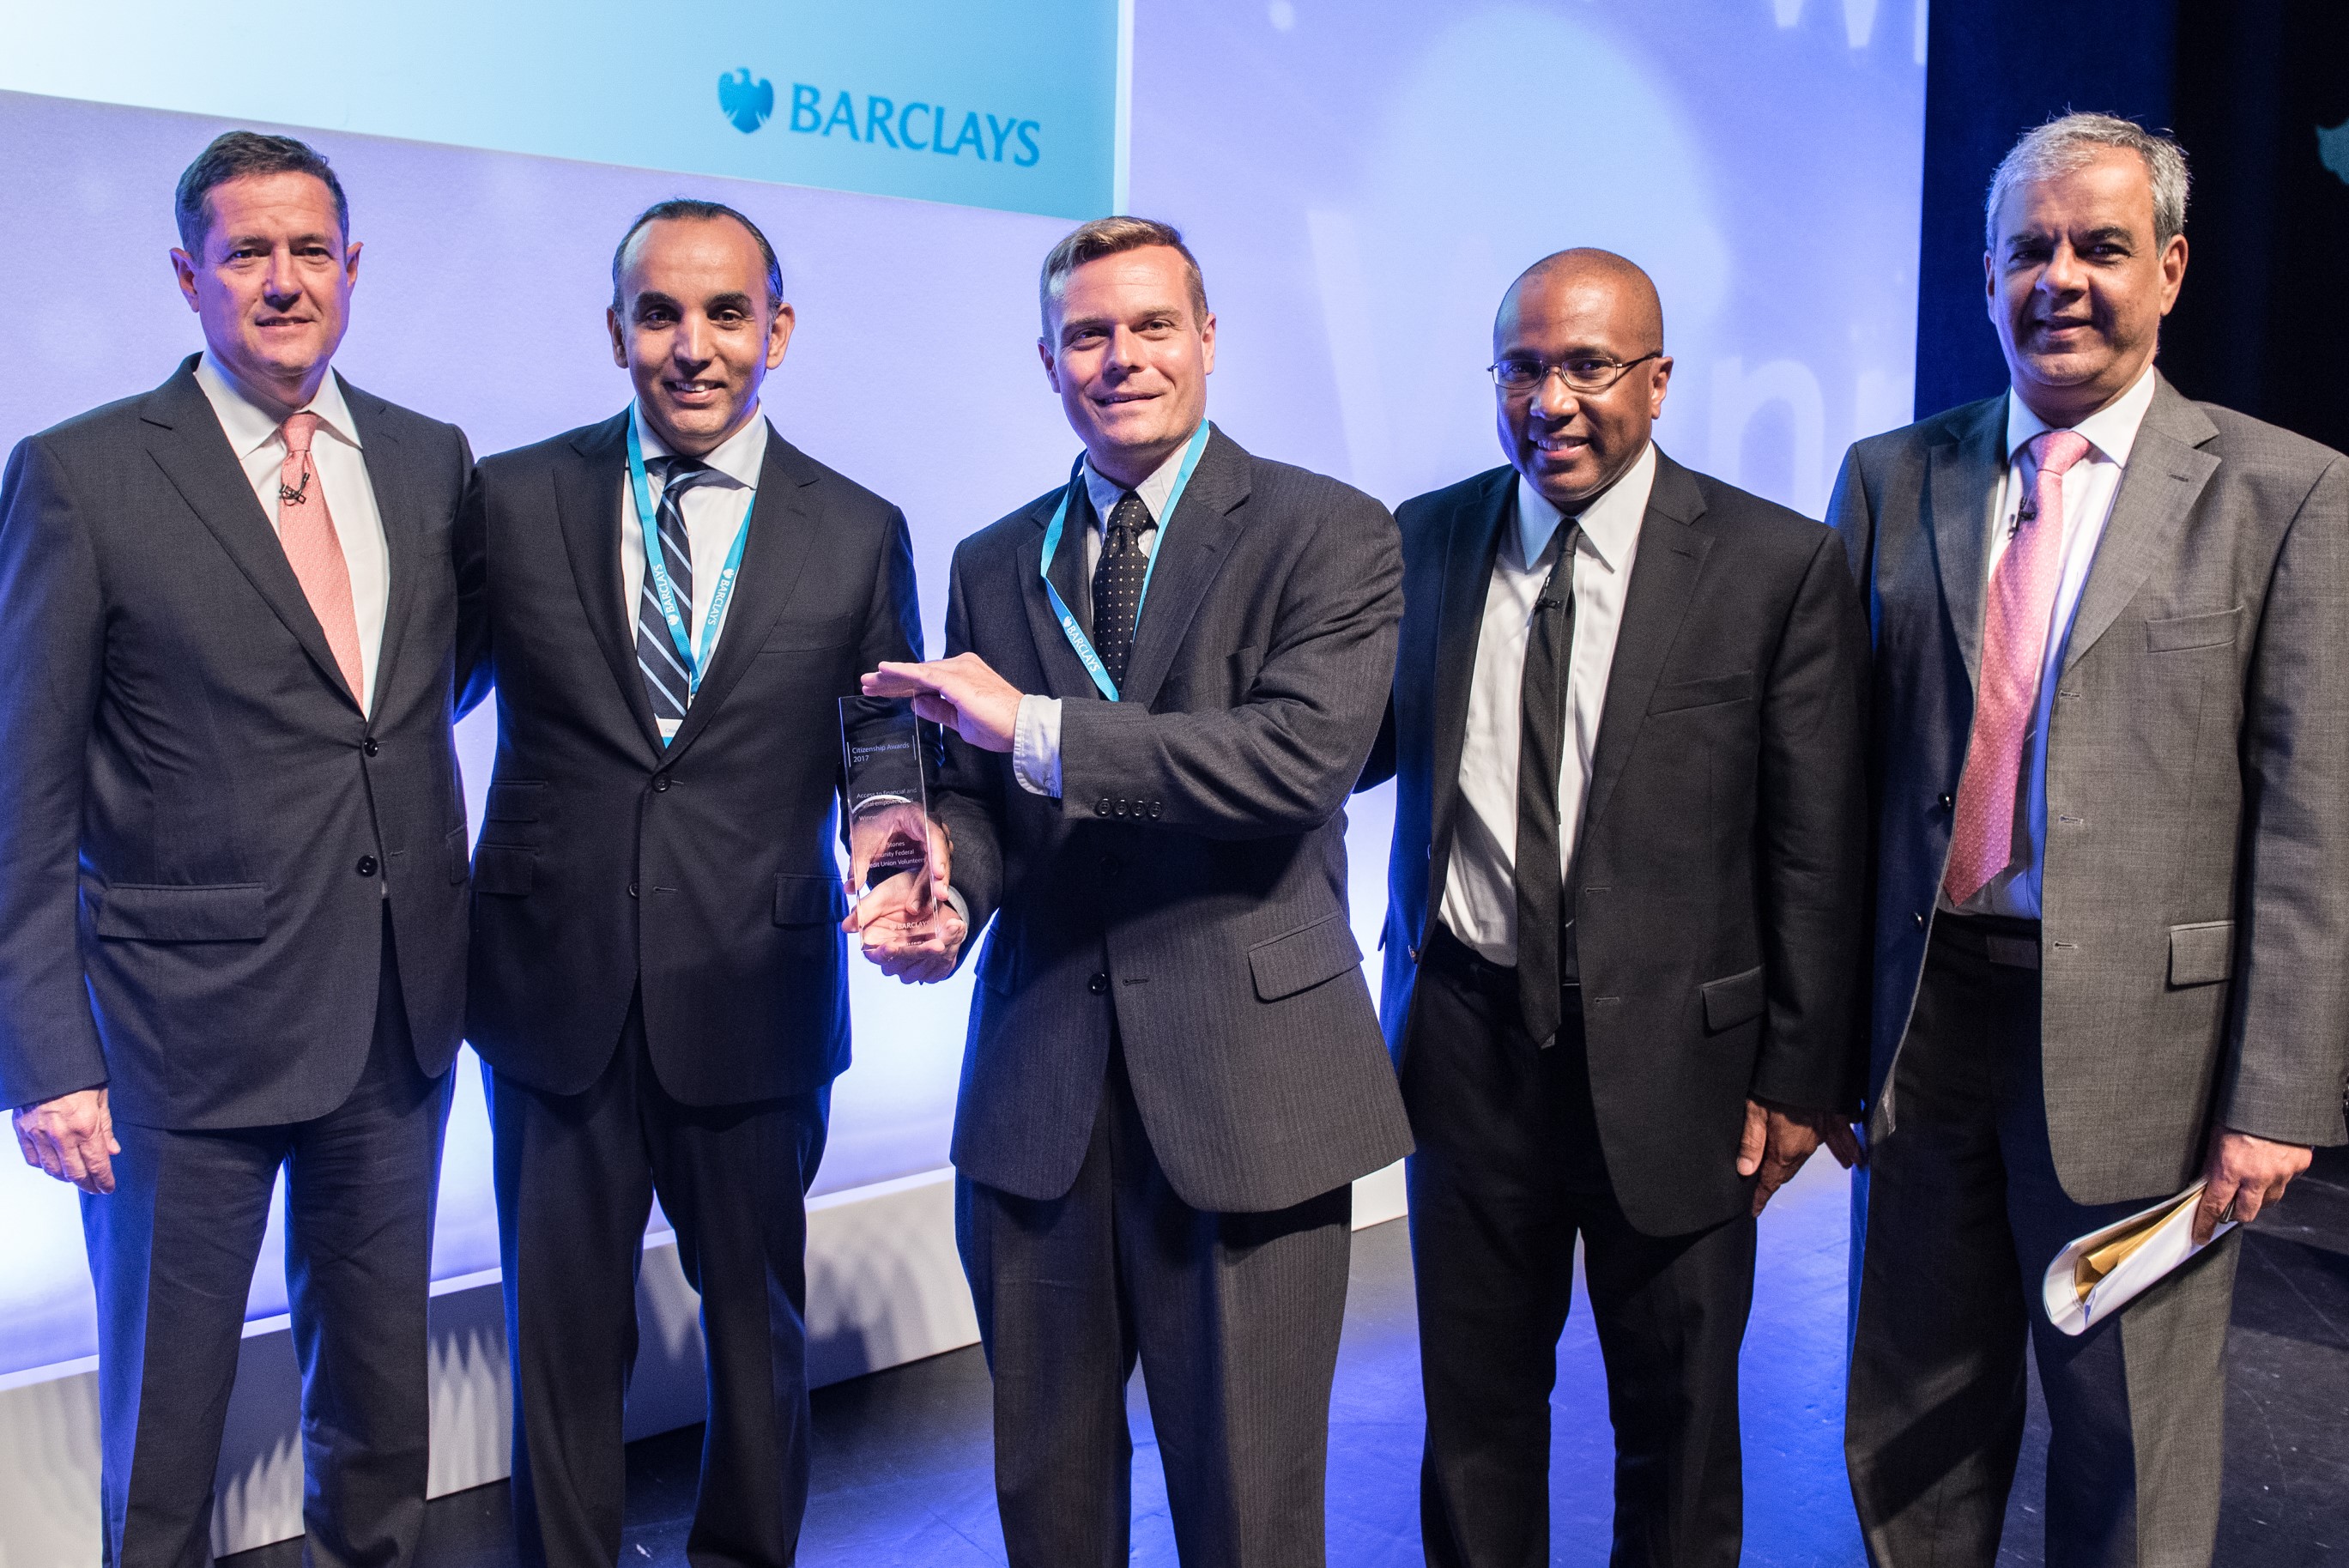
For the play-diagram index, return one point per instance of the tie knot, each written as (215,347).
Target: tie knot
(1129,514)
(678,475)
(2056,450)
(298,430)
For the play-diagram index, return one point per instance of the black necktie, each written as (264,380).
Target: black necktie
(1117,584)
(666,681)
(1544,940)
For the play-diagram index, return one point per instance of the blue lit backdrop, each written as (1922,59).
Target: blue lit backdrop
(1360,178)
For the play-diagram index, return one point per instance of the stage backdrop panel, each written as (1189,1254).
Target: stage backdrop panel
(1360,178)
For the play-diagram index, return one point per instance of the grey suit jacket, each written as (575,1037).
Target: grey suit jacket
(198,824)
(2196,895)
(1188,889)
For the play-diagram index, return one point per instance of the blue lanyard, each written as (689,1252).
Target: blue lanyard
(1069,626)
(665,589)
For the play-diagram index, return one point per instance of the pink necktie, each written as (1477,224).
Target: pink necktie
(307,530)
(2014,638)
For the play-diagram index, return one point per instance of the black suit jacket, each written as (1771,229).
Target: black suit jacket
(702,872)
(197,822)
(1188,889)
(1717,888)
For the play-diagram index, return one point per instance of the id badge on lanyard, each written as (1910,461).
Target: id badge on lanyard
(663,589)
(1082,645)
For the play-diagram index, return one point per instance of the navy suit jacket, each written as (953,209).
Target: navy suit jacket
(1718,884)
(701,873)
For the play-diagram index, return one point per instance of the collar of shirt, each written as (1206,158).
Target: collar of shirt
(1610,524)
(737,458)
(250,427)
(1153,490)
(2111,430)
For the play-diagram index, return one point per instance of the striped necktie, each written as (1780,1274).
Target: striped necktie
(666,681)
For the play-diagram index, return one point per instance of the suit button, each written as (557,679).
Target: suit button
(660,785)
(1920,918)
(1414,953)
(632,890)
(1111,865)
(1098,985)
(1101,807)
(366,867)
(1154,810)
(1947,803)
(1121,807)
(372,746)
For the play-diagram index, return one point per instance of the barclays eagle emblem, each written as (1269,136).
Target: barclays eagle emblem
(2332,146)
(746,102)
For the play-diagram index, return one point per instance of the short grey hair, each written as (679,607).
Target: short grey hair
(2069,140)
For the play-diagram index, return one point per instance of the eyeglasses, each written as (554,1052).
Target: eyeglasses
(1586,375)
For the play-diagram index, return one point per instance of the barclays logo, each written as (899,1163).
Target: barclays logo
(2332,148)
(746,102)
(878,121)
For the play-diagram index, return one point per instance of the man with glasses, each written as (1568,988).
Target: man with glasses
(1623,935)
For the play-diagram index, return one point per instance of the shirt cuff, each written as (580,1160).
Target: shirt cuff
(1036,746)
(960,908)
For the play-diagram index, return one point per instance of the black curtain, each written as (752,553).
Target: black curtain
(2264,323)
(2247,87)
(1995,69)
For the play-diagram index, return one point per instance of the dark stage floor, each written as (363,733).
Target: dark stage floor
(901,1457)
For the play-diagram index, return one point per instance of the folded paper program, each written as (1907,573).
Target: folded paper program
(2105,1270)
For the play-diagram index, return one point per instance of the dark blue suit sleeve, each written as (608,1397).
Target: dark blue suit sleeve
(53,645)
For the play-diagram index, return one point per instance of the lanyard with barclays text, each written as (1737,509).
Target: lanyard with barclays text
(1070,629)
(664,590)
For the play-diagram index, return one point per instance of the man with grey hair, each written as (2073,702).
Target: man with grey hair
(2110,755)
(1173,1070)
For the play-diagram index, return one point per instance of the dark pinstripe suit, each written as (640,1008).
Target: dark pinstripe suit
(1174,1069)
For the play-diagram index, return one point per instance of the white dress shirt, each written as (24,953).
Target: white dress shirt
(2089,487)
(1480,887)
(714,511)
(1036,738)
(253,435)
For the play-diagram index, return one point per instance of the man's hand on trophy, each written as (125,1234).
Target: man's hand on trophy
(905,924)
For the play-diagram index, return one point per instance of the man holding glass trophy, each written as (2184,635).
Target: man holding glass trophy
(671,603)
(1164,676)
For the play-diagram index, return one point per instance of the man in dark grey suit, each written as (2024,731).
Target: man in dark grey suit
(1174,1072)
(1623,946)
(233,865)
(2110,769)
(659,986)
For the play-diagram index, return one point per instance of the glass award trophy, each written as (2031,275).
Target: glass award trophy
(888,751)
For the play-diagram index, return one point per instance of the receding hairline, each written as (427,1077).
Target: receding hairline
(1583,262)
(769,269)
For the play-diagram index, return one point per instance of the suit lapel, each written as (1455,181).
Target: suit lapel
(1064,674)
(1192,547)
(782,528)
(185,439)
(2166,475)
(1961,491)
(389,475)
(1663,580)
(1474,541)
(587,510)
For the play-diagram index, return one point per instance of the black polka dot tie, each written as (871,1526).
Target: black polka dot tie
(1117,584)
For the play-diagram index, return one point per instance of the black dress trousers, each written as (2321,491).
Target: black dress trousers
(171,1251)
(1235,1318)
(576,1175)
(1508,1175)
